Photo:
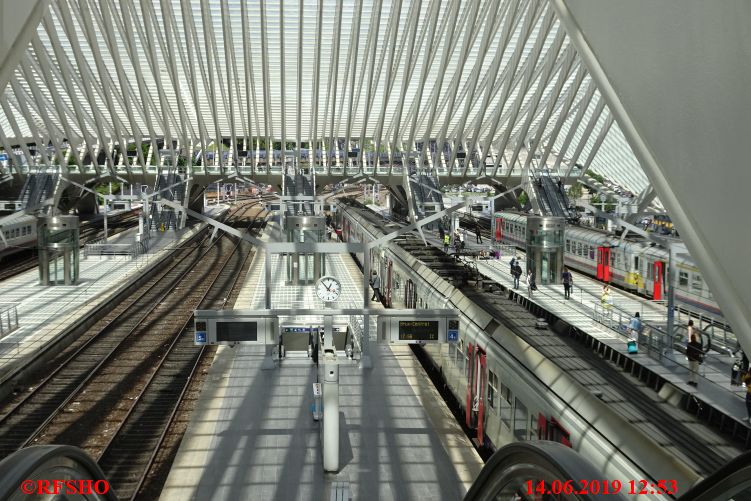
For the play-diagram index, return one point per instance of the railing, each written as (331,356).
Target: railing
(101,248)
(8,318)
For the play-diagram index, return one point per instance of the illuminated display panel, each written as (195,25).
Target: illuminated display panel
(418,330)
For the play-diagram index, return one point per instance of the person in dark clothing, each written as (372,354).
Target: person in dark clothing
(517,272)
(441,233)
(375,282)
(478,235)
(747,381)
(568,280)
(511,265)
(695,355)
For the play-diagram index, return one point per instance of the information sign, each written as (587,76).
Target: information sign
(452,333)
(418,330)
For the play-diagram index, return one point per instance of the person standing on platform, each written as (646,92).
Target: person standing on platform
(747,381)
(531,286)
(516,271)
(568,280)
(441,233)
(375,282)
(605,300)
(446,243)
(478,235)
(695,354)
(462,238)
(635,326)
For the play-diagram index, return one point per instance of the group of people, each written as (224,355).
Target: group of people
(459,237)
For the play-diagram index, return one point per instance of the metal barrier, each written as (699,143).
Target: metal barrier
(101,248)
(8,318)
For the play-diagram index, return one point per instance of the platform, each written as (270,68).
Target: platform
(582,311)
(45,312)
(252,435)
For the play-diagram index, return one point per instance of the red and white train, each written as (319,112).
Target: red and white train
(637,266)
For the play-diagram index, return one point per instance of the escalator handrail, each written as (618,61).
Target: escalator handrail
(734,476)
(562,462)
(23,464)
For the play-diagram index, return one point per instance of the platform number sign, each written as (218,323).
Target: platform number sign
(200,332)
(452,334)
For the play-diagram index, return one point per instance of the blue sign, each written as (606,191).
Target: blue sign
(452,336)
(200,337)
(3,157)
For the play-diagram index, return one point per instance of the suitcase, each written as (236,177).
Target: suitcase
(632,347)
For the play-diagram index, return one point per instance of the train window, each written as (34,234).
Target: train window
(592,253)
(578,248)
(568,245)
(23,231)
(696,283)
(683,279)
(636,263)
(649,270)
(492,388)
(520,420)
(506,399)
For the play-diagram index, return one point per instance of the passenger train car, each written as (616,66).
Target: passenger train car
(507,389)
(635,266)
(18,234)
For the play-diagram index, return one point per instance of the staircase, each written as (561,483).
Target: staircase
(37,188)
(167,215)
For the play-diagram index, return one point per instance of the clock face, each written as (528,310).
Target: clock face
(328,289)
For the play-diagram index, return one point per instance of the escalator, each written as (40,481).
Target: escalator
(31,473)
(542,470)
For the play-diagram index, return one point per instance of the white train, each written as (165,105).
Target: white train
(508,390)
(18,233)
(635,266)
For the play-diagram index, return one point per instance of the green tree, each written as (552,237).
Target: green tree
(575,191)
(523,198)
(595,176)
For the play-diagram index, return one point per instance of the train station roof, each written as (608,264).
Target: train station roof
(495,77)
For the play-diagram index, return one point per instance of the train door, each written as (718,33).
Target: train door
(658,277)
(498,229)
(551,429)
(477,382)
(410,296)
(603,263)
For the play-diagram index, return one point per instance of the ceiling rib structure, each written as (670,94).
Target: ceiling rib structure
(488,86)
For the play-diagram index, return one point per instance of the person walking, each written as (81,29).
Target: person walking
(478,234)
(635,325)
(375,283)
(568,281)
(517,273)
(695,354)
(605,300)
(531,282)
(747,381)
(446,243)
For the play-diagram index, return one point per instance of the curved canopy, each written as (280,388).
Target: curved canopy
(485,77)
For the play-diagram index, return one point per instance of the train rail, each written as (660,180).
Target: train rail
(128,456)
(664,427)
(98,380)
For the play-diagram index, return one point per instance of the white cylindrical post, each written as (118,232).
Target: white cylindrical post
(331,414)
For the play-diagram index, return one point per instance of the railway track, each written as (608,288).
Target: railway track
(90,395)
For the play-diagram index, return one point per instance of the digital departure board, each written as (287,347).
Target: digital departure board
(418,330)
(236,331)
